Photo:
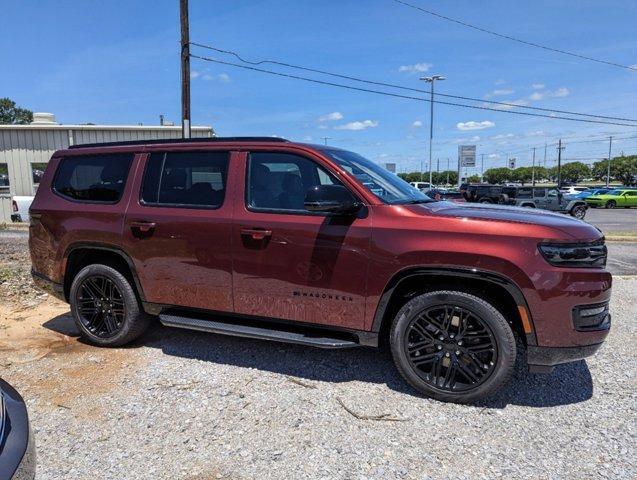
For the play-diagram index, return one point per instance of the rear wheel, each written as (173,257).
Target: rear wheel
(452,346)
(105,308)
(485,200)
(578,211)
(611,204)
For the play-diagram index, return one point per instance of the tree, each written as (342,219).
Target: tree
(474,179)
(522,174)
(575,171)
(623,169)
(498,175)
(12,114)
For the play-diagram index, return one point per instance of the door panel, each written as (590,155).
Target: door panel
(178,235)
(295,265)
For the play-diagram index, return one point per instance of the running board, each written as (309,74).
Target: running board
(212,326)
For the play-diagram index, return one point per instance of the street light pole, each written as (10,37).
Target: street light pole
(431,80)
(185,68)
(610,147)
(533,169)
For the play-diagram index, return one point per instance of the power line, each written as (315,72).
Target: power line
(508,37)
(401,87)
(407,97)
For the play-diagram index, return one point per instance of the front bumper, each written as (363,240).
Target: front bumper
(544,359)
(17,447)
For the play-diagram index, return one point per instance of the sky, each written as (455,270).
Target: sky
(117,62)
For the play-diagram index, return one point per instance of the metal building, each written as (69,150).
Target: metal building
(25,149)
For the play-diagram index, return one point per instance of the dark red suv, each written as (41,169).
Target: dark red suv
(265,238)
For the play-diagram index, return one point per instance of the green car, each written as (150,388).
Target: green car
(613,199)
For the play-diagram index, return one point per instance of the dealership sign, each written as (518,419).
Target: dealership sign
(467,155)
(512,163)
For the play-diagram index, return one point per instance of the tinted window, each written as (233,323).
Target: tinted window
(93,178)
(279,181)
(631,194)
(539,192)
(188,179)
(525,192)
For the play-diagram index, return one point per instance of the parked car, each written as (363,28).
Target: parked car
(442,194)
(573,190)
(20,206)
(589,192)
(625,198)
(17,446)
(271,239)
(484,192)
(421,185)
(546,199)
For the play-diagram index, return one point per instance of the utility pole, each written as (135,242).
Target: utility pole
(431,80)
(325,139)
(482,168)
(544,154)
(610,147)
(533,169)
(559,163)
(447,171)
(185,69)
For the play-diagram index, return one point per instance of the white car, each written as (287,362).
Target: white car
(421,185)
(20,206)
(573,190)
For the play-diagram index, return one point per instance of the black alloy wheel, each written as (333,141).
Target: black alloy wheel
(611,204)
(101,306)
(451,348)
(105,307)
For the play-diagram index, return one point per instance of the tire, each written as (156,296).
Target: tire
(578,211)
(121,320)
(444,346)
(611,204)
(485,200)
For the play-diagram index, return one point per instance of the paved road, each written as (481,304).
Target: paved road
(615,220)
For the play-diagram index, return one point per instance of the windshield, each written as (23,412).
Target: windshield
(385,185)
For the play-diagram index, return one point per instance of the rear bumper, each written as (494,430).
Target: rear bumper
(49,286)
(544,359)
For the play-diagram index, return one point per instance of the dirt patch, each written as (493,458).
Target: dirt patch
(42,355)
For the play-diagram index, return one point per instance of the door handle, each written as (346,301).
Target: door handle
(256,233)
(143,227)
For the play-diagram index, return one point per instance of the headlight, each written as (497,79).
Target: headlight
(575,254)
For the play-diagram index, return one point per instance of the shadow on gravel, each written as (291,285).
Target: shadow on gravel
(567,384)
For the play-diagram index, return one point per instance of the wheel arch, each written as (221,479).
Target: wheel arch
(500,290)
(78,256)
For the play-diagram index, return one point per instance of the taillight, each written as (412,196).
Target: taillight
(14,205)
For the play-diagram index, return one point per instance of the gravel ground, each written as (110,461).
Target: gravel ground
(186,405)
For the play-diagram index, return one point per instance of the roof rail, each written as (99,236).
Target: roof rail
(181,140)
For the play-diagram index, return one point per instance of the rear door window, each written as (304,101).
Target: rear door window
(93,178)
(185,179)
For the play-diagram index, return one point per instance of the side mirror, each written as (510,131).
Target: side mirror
(331,199)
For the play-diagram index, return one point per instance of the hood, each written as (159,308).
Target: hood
(572,227)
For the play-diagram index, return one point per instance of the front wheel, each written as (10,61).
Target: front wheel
(579,211)
(452,346)
(611,204)
(105,308)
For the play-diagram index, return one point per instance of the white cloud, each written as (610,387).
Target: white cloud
(502,136)
(493,155)
(417,124)
(322,127)
(415,68)
(535,96)
(634,67)
(537,133)
(520,103)
(500,81)
(474,139)
(561,92)
(222,77)
(329,117)
(499,92)
(538,86)
(464,126)
(357,125)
